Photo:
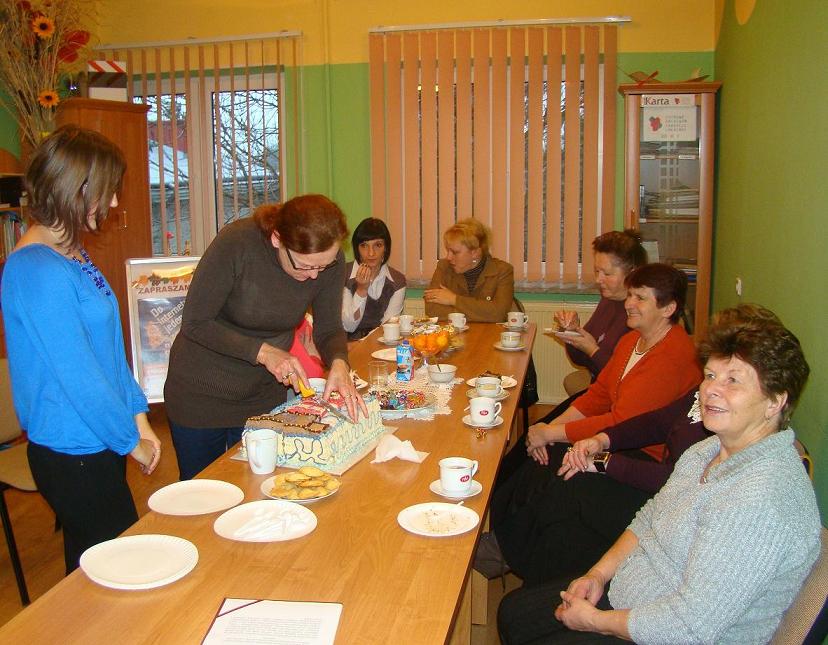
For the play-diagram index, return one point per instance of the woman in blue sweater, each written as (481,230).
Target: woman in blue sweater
(73,391)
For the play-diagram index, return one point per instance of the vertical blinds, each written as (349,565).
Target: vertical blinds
(216,130)
(514,126)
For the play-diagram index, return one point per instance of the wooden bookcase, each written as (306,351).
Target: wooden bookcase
(127,232)
(669,177)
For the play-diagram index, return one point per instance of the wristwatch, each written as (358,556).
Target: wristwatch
(600,461)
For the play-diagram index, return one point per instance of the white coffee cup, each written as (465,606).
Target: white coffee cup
(483,410)
(391,331)
(318,384)
(510,339)
(516,319)
(456,474)
(406,323)
(488,386)
(261,450)
(457,319)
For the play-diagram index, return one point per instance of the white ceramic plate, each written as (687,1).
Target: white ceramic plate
(563,334)
(468,421)
(519,348)
(268,520)
(195,497)
(505,381)
(437,488)
(267,486)
(437,519)
(389,354)
(473,393)
(139,561)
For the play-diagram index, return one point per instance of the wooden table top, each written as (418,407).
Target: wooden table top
(395,587)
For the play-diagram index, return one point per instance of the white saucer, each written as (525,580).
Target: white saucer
(437,488)
(562,334)
(516,328)
(463,328)
(505,381)
(519,348)
(467,420)
(471,393)
(392,343)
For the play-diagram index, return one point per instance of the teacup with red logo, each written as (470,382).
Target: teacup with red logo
(456,474)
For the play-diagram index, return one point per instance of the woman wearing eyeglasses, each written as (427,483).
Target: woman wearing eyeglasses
(252,287)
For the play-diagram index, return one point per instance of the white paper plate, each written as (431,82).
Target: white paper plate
(268,520)
(437,519)
(519,348)
(389,354)
(472,393)
(267,486)
(195,497)
(505,381)
(437,488)
(468,421)
(139,561)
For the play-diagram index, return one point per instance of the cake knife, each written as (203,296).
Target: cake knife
(330,407)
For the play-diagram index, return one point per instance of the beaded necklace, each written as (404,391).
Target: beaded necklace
(89,268)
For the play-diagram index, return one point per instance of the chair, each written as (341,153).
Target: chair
(806,621)
(14,472)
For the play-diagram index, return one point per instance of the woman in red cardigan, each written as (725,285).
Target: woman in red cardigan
(651,366)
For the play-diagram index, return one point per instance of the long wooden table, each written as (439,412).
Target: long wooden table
(395,587)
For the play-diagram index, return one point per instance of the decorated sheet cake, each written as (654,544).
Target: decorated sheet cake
(309,435)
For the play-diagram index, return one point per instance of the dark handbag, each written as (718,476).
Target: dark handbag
(529,393)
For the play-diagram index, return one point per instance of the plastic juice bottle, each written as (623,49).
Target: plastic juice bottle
(405,361)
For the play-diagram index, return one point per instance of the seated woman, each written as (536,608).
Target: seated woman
(374,291)
(721,551)
(616,255)
(469,279)
(559,533)
(651,366)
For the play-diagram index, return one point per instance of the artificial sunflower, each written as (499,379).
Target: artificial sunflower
(43,26)
(48,98)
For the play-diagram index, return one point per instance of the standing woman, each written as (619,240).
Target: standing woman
(252,287)
(469,279)
(374,291)
(73,391)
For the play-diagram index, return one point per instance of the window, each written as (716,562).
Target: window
(462,130)
(215,137)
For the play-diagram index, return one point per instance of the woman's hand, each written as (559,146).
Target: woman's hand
(283,365)
(146,455)
(585,342)
(364,277)
(146,433)
(578,457)
(580,597)
(537,438)
(441,296)
(339,380)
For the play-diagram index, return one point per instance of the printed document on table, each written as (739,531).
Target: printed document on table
(278,622)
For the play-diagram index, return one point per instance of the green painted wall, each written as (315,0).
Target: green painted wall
(772,205)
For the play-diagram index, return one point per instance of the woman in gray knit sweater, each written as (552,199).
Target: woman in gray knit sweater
(721,551)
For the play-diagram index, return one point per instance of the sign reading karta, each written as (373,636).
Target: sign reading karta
(667,100)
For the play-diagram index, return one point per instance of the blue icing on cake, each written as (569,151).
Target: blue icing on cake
(336,446)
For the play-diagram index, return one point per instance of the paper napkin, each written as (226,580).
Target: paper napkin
(389,447)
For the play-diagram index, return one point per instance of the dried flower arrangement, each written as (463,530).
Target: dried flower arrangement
(40,43)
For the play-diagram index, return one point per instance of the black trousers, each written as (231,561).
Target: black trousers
(526,616)
(549,528)
(88,493)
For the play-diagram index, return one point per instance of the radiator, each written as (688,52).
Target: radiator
(551,362)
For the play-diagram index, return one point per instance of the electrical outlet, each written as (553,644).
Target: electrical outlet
(739,287)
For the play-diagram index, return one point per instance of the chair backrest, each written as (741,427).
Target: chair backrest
(9,426)
(801,615)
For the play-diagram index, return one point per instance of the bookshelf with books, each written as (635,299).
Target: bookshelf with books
(669,138)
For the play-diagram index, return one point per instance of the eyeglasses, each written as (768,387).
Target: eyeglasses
(298,268)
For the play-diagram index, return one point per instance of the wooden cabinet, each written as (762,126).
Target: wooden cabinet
(669,175)
(127,232)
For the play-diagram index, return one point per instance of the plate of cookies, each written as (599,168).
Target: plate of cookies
(306,485)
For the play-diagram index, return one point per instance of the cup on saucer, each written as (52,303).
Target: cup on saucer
(488,386)
(510,339)
(456,474)
(516,319)
(457,319)
(483,410)
(390,332)
(406,323)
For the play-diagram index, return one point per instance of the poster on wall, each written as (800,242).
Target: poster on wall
(157,290)
(668,123)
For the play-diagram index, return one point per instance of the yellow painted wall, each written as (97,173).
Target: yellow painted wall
(334,31)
